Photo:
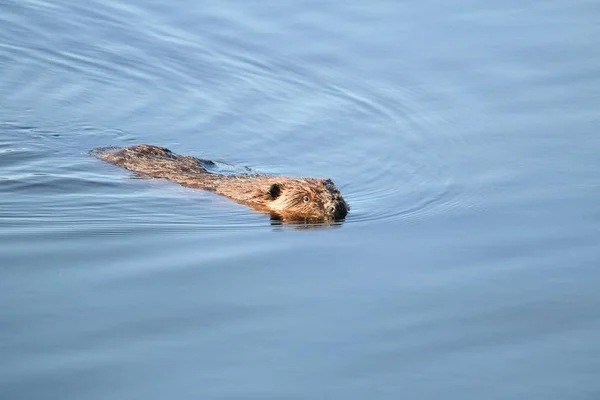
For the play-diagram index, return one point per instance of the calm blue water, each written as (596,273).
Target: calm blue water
(464,135)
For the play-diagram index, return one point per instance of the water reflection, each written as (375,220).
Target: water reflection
(304,223)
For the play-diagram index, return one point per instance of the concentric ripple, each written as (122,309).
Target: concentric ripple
(389,158)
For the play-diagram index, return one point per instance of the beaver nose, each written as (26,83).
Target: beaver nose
(340,211)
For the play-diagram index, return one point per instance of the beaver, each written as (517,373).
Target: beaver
(287,198)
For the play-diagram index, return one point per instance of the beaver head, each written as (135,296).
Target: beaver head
(307,197)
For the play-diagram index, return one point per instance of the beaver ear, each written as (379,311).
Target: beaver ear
(274,191)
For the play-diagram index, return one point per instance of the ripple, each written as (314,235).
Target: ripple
(394,161)
(396,168)
(400,173)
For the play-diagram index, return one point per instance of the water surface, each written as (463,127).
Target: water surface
(464,136)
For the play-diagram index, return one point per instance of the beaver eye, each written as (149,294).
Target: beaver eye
(305,199)
(332,209)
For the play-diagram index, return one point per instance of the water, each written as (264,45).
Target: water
(463,134)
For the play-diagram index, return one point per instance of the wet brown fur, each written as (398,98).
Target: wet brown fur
(288,198)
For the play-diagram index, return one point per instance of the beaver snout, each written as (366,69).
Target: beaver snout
(340,210)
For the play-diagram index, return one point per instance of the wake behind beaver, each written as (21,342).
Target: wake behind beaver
(289,198)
